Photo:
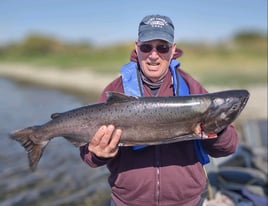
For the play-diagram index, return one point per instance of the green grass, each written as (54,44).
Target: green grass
(97,59)
(220,65)
(229,63)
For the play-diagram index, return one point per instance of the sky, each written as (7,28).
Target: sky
(103,22)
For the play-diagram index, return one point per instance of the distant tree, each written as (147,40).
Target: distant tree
(249,36)
(40,44)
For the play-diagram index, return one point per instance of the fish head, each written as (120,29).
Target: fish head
(225,107)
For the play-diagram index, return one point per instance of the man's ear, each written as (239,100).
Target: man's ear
(136,46)
(174,46)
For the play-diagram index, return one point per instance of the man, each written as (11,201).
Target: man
(168,174)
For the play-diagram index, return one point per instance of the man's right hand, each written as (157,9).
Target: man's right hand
(104,143)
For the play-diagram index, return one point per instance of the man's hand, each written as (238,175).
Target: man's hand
(104,143)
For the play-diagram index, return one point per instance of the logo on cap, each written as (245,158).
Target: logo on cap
(156,22)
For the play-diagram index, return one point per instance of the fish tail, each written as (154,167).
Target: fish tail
(34,150)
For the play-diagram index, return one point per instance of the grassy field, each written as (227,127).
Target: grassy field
(240,61)
(226,64)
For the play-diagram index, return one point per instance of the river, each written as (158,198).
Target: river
(61,178)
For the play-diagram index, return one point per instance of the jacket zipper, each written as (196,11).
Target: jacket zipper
(157,157)
(158,185)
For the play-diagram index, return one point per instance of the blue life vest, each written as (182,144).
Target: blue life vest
(131,83)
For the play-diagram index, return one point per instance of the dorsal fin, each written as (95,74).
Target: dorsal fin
(55,115)
(118,97)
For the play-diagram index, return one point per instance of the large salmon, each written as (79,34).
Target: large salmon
(143,120)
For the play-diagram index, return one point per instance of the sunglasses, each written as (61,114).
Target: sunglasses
(161,48)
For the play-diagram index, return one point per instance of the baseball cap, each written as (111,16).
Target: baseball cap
(156,27)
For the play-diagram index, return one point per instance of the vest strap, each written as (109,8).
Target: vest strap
(131,84)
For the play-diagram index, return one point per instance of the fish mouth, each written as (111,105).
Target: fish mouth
(244,99)
(239,99)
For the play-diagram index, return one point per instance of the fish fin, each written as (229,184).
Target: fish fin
(55,115)
(34,150)
(184,137)
(118,97)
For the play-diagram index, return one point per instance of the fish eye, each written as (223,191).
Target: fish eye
(235,107)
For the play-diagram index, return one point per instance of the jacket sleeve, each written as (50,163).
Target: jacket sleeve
(225,144)
(87,156)
(227,141)
(91,159)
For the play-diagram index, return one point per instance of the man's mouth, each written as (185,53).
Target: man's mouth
(153,64)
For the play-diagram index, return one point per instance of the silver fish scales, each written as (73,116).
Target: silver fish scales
(143,120)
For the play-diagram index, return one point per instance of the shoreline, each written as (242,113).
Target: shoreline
(78,81)
(88,85)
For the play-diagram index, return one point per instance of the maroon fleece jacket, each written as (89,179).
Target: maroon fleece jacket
(168,174)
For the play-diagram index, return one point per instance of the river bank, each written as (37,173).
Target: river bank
(79,81)
(89,85)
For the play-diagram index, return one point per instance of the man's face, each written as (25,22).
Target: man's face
(154,57)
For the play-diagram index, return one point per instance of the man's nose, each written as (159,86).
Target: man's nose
(154,53)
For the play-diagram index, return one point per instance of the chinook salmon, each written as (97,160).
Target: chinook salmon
(143,120)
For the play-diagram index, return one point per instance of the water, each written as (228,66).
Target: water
(61,177)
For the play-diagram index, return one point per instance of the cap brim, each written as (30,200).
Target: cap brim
(152,35)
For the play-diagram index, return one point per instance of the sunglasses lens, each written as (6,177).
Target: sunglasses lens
(163,48)
(146,48)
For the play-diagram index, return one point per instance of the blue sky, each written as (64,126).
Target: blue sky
(112,21)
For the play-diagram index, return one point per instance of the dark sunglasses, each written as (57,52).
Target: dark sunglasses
(161,48)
